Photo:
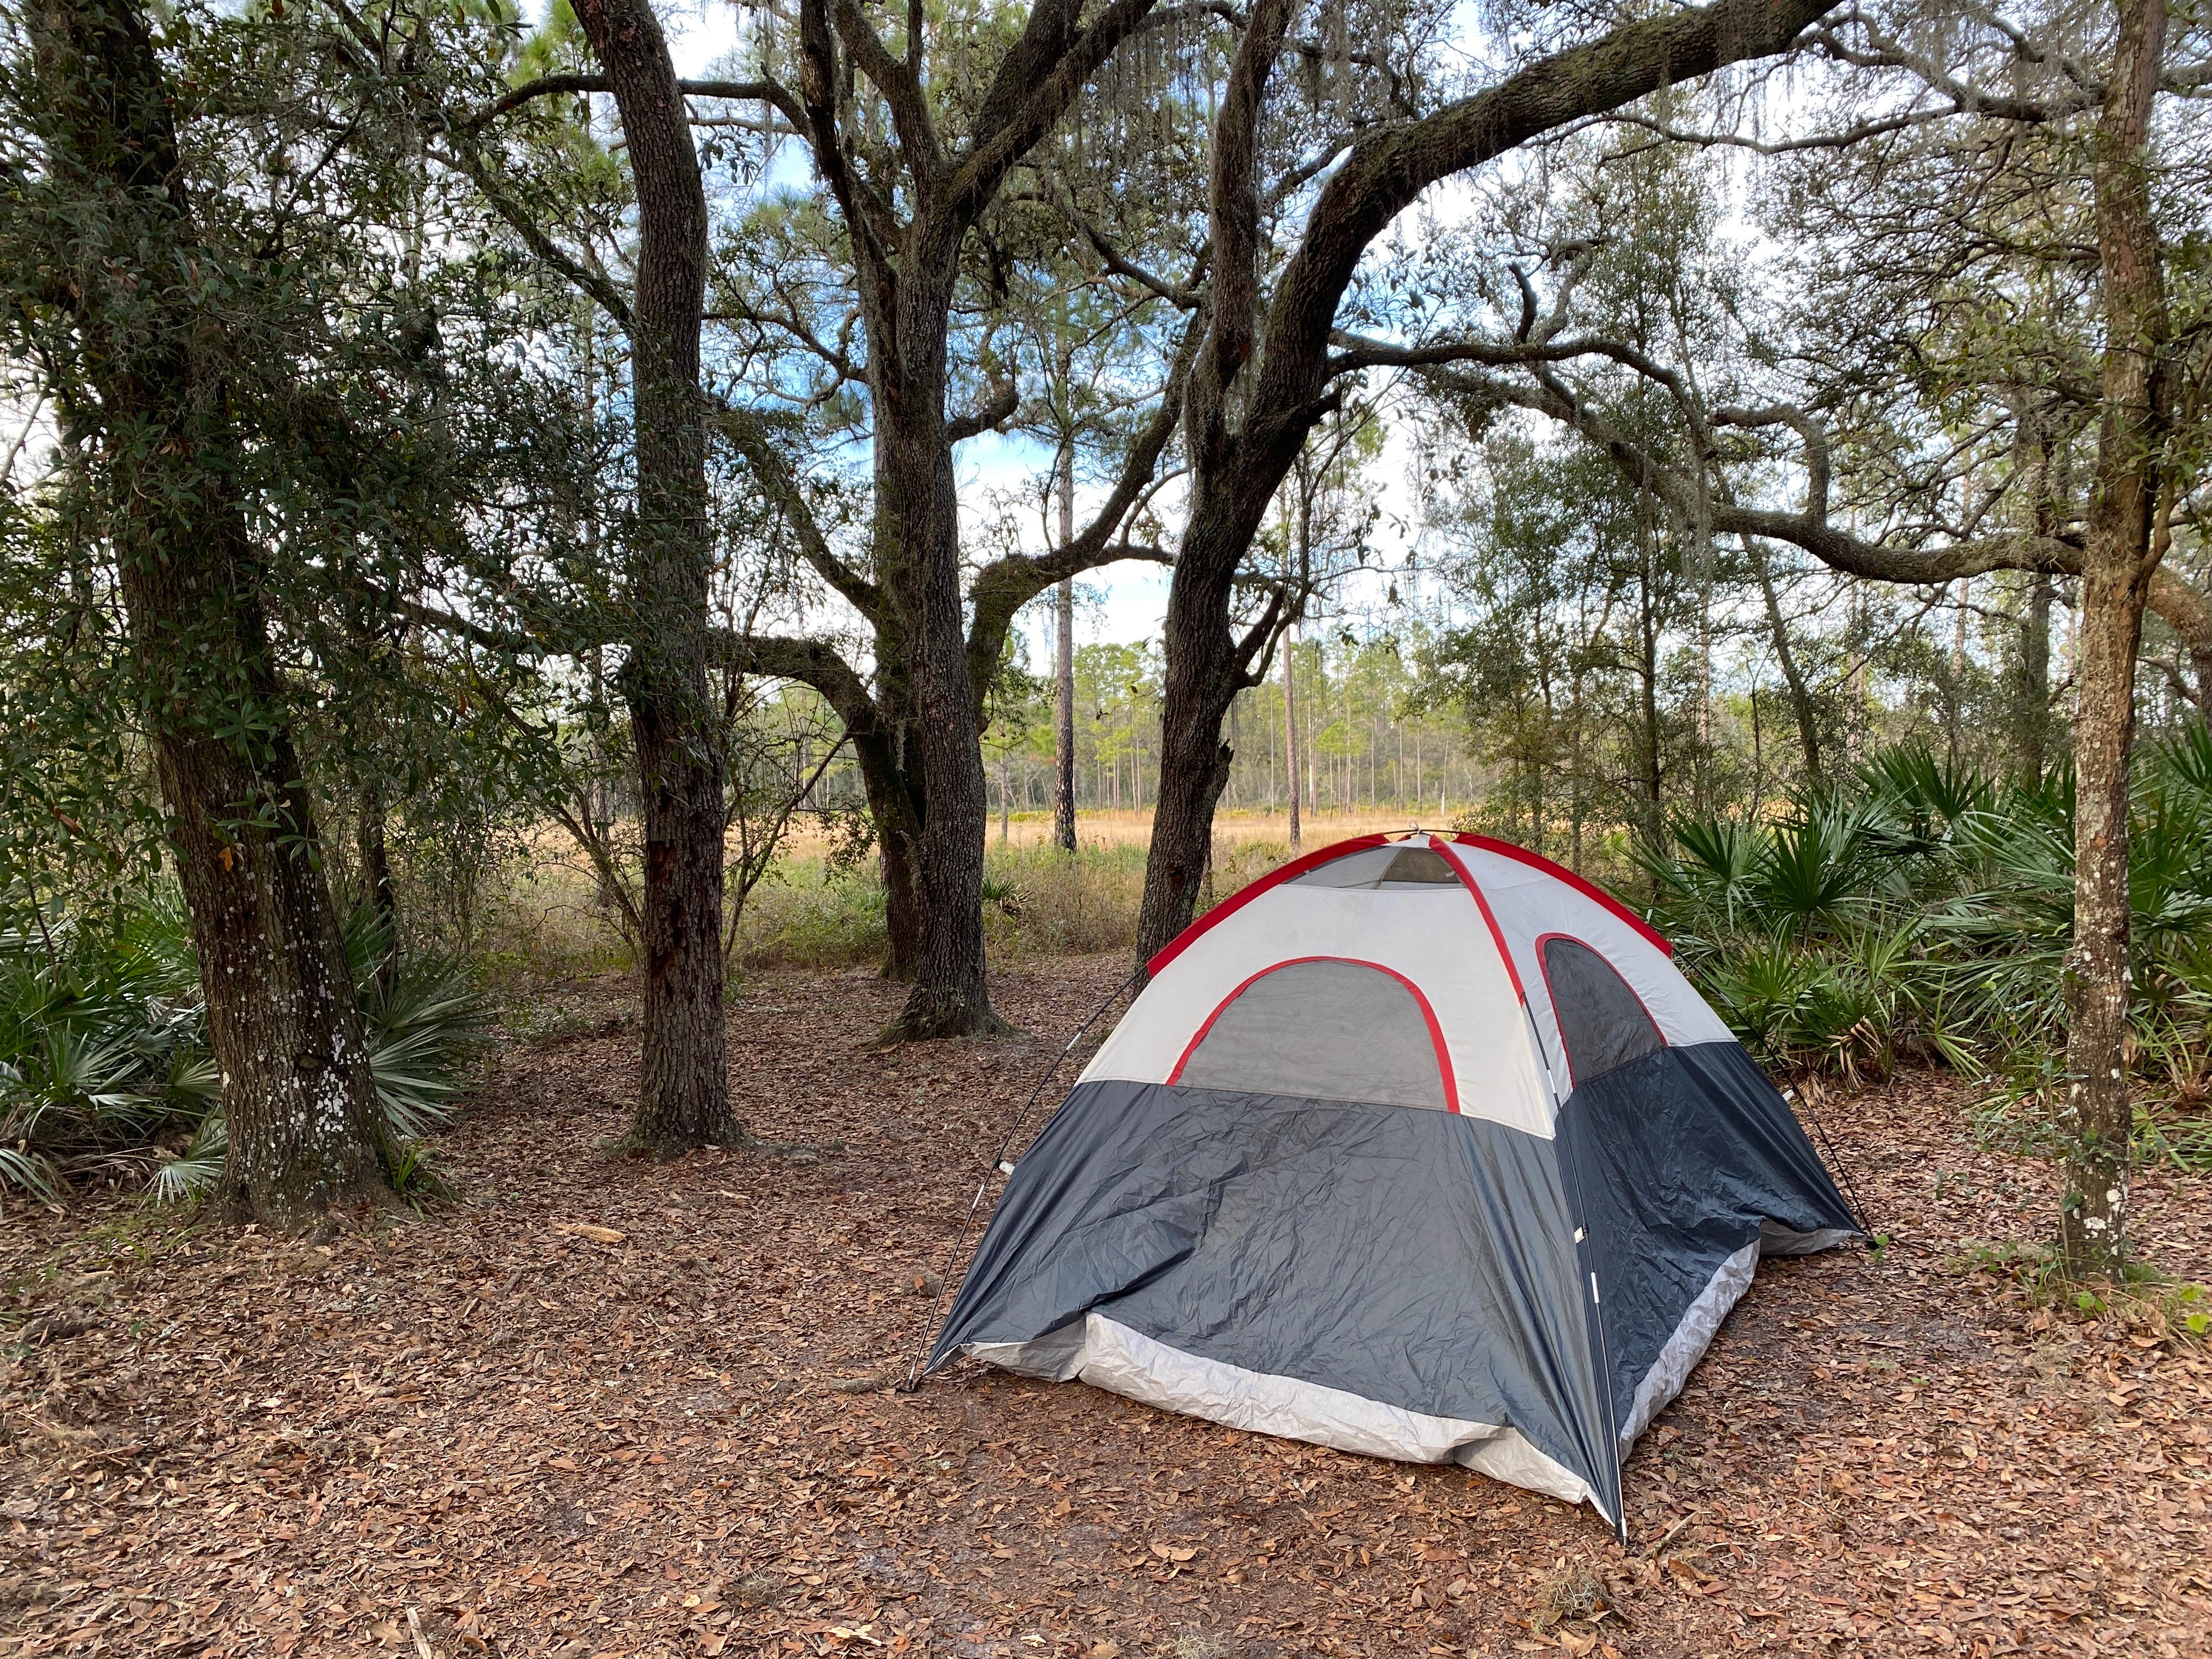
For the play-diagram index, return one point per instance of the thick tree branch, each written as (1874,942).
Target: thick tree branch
(1004,402)
(1815,437)
(901,89)
(868,221)
(1036,83)
(1233,213)
(1388,167)
(808,662)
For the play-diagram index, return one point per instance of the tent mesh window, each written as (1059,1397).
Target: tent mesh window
(1602,1022)
(1321,1030)
(1383,867)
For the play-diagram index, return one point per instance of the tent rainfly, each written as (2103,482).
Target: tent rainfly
(1421,1148)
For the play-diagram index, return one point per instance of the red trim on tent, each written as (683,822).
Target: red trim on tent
(1429,1014)
(1588,889)
(1490,919)
(1544,968)
(1244,895)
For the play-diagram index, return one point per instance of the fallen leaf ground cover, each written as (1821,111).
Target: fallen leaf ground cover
(593,1407)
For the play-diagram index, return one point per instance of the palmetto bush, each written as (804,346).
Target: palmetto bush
(105,1071)
(1922,911)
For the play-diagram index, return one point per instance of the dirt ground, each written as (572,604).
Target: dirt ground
(597,1408)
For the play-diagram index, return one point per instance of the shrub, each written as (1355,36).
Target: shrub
(105,1070)
(1924,912)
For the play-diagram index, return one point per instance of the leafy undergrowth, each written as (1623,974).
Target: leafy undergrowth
(596,1408)
(105,1073)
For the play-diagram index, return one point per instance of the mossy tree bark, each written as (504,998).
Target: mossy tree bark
(146,414)
(683,1089)
(2119,559)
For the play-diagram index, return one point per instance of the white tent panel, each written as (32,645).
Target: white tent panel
(1433,937)
(1111,1356)
(1530,902)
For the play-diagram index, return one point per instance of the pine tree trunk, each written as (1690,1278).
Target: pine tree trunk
(1653,780)
(1063,725)
(283,1018)
(2118,561)
(1291,727)
(684,1093)
(2034,722)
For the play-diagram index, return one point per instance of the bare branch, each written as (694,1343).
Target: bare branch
(749,434)
(1842,140)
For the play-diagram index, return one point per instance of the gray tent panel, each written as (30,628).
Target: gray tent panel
(1602,1022)
(1682,1161)
(1422,1260)
(1324,1029)
(1383,867)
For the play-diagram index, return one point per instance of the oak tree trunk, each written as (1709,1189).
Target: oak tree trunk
(283,1021)
(896,804)
(684,1094)
(1202,678)
(949,996)
(2118,562)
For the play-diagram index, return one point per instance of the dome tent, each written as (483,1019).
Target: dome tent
(1418,1147)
